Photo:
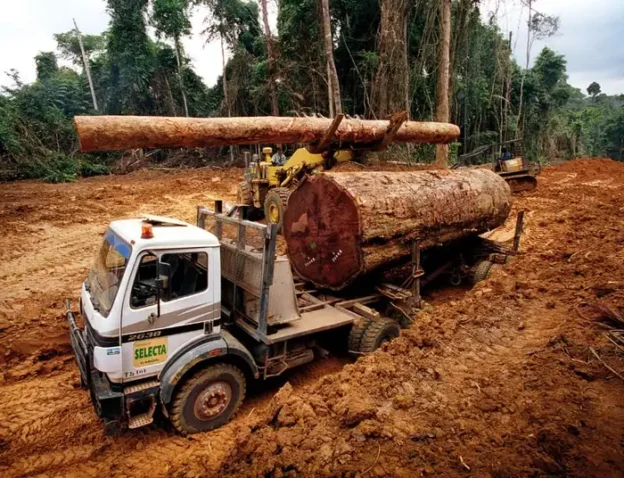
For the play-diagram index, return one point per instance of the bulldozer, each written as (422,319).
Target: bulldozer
(266,188)
(507,160)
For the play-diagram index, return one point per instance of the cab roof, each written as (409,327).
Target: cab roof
(168,233)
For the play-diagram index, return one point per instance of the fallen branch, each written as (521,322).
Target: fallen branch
(375,462)
(605,365)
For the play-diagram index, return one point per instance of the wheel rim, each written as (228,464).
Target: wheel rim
(274,213)
(213,400)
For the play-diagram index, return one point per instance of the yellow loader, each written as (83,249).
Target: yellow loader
(266,187)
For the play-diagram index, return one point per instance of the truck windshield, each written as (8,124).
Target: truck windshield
(107,271)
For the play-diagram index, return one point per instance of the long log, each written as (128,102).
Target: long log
(340,226)
(105,133)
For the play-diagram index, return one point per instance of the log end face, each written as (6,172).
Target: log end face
(322,230)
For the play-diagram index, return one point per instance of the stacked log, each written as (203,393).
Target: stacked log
(340,226)
(105,133)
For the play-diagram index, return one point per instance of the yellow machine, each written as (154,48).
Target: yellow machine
(266,187)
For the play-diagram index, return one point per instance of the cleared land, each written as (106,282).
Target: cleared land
(496,381)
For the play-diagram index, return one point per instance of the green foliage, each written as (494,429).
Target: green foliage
(170,18)
(46,65)
(131,59)
(69,46)
(593,89)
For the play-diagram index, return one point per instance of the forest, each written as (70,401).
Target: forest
(362,57)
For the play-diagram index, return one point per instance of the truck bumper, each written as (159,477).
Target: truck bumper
(108,403)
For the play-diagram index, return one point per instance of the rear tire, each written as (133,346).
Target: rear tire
(378,333)
(482,271)
(356,333)
(208,399)
(275,205)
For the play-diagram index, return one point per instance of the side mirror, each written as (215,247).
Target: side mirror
(163,283)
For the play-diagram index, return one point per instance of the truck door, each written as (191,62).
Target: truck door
(187,310)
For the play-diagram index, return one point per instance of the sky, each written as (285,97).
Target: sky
(590,36)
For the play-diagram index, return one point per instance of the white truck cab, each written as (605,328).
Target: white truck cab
(178,319)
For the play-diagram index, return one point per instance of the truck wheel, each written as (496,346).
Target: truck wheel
(208,399)
(275,206)
(482,271)
(244,194)
(378,333)
(356,333)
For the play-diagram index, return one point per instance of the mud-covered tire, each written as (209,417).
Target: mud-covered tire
(224,383)
(356,333)
(275,205)
(244,194)
(379,332)
(481,271)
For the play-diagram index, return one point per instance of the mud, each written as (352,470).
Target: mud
(493,381)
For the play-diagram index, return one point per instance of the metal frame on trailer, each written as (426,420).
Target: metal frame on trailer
(269,234)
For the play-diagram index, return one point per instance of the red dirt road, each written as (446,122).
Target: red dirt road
(495,381)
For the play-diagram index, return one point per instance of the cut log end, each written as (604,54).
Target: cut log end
(323,233)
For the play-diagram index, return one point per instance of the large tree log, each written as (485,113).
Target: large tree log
(104,133)
(339,226)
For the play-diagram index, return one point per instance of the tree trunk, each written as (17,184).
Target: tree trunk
(526,68)
(392,75)
(442,93)
(339,226)
(85,62)
(329,57)
(225,91)
(105,133)
(178,53)
(271,55)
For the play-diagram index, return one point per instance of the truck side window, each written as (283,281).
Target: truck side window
(144,287)
(189,273)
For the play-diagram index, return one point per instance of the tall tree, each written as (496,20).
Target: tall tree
(171,20)
(335,101)
(391,86)
(442,92)
(130,58)
(539,26)
(271,54)
(47,65)
(593,89)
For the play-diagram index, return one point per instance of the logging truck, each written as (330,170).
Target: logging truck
(178,318)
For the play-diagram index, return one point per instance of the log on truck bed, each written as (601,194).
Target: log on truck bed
(339,226)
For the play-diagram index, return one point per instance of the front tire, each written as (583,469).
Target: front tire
(275,206)
(208,399)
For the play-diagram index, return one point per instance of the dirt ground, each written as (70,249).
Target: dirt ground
(500,380)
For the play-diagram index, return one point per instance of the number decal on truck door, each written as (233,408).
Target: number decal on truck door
(142,336)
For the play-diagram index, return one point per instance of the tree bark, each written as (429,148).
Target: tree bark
(225,91)
(178,52)
(106,133)
(442,93)
(526,68)
(271,55)
(328,44)
(392,76)
(340,226)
